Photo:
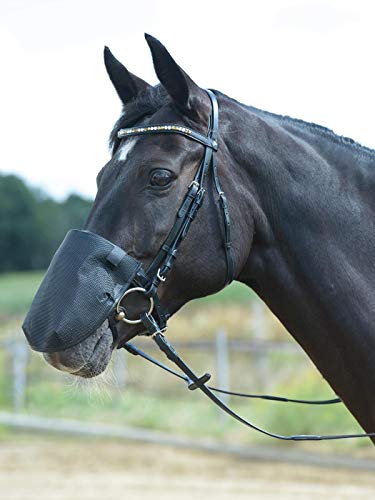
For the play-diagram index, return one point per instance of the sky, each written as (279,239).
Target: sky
(309,59)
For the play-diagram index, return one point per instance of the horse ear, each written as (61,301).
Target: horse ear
(126,84)
(181,88)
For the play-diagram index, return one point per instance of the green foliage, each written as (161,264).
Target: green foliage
(32,225)
(18,225)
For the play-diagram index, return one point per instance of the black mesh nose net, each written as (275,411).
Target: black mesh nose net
(86,278)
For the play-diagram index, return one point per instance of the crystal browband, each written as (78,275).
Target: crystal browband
(127,131)
(171,129)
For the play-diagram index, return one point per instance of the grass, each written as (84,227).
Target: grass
(153,400)
(17,291)
(199,317)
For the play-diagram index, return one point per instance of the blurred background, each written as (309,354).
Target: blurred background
(136,430)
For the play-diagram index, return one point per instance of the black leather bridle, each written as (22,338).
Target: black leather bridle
(148,282)
(164,259)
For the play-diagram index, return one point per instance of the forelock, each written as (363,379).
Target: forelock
(145,104)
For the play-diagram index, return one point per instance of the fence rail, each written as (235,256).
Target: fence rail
(245,346)
(220,346)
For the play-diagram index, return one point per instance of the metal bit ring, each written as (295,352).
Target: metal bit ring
(120,315)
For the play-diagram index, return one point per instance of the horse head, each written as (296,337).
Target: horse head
(140,191)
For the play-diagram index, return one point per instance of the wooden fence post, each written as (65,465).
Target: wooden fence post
(20,353)
(259,331)
(119,368)
(222,365)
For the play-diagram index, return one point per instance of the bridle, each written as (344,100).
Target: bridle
(147,282)
(160,267)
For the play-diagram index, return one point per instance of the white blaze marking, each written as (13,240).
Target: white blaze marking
(126,148)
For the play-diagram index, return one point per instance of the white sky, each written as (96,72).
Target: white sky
(311,59)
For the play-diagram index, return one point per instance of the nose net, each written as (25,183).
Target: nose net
(86,278)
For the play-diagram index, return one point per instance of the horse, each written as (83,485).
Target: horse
(302,204)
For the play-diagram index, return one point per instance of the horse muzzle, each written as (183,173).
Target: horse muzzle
(86,280)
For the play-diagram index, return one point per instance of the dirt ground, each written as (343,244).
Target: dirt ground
(43,467)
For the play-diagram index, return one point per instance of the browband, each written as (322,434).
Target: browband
(171,129)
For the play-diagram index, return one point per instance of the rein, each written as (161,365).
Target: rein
(195,382)
(148,282)
(132,349)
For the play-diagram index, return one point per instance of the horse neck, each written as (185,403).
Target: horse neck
(311,257)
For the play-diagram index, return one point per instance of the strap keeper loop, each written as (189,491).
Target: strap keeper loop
(201,381)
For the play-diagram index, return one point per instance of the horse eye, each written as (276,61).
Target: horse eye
(161,178)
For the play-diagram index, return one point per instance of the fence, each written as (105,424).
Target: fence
(24,371)
(221,347)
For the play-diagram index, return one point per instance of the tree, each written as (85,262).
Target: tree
(18,230)
(32,225)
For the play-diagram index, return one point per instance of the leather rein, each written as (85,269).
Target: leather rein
(148,282)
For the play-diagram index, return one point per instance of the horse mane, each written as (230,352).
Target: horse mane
(152,99)
(312,127)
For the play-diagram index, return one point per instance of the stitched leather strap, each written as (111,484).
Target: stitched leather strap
(226,218)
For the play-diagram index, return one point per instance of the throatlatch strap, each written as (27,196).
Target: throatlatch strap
(226,219)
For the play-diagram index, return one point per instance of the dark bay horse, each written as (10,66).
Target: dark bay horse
(302,204)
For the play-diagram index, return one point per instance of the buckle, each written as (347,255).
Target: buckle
(194,183)
(160,277)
